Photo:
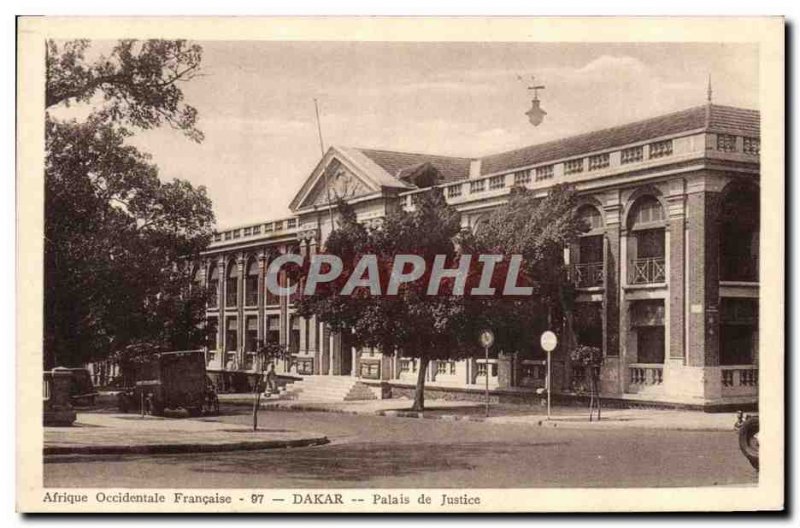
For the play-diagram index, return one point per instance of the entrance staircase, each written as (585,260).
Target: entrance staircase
(327,389)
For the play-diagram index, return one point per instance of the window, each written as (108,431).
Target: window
(631,155)
(237,233)
(600,161)
(589,268)
(212,333)
(251,283)
(213,287)
(659,149)
(591,217)
(232,285)
(573,166)
(726,143)
(454,191)
(751,145)
(648,210)
(291,223)
(231,335)
(477,186)
(738,331)
(522,177)
(647,320)
(544,173)
(294,334)
(497,182)
(273,328)
(251,334)
(650,344)
(589,324)
(268,227)
(739,235)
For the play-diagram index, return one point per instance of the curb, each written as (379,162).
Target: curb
(177,448)
(606,425)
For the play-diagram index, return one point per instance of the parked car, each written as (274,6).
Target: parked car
(748,437)
(169,380)
(81,391)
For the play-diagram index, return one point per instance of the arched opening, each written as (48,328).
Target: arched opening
(740,221)
(251,283)
(213,286)
(646,242)
(232,285)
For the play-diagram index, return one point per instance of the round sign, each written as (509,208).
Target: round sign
(487,338)
(548,341)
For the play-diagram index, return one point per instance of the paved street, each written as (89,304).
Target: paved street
(372,451)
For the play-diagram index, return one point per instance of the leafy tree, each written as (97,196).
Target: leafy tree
(538,228)
(119,242)
(413,323)
(137,84)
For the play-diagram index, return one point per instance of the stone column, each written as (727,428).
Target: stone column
(676,281)
(702,204)
(221,329)
(614,370)
(261,334)
(240,326)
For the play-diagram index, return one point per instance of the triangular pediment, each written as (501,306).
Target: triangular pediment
(337,182)
(342,173)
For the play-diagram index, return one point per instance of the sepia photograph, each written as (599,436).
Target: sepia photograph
(401,273)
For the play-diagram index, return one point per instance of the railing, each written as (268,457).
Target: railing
(643,374)
(739,376)
(407,366)
(370,369)
(648,271)
(589,274)
(481,368)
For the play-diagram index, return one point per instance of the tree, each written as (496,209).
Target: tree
(266,353)
(119,242)
(412,323)
(538,228)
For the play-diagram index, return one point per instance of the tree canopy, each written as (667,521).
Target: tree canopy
(119,241)
(446,326)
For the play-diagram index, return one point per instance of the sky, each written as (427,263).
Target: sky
(255,101)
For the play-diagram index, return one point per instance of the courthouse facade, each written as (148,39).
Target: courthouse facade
(666,278)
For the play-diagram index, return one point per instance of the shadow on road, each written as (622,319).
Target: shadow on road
(361,462)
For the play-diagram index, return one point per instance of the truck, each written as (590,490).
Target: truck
(169,380)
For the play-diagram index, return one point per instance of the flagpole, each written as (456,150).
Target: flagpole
(322,152)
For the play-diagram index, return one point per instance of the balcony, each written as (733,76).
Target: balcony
(649,270)
(589,275)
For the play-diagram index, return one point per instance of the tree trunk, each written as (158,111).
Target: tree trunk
(256,404)
(419,391)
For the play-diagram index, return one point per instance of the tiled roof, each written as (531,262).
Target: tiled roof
(723,118)
(399,164)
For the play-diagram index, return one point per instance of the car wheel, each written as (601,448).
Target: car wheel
(748,441)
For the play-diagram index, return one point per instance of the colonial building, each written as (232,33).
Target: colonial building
(667,275)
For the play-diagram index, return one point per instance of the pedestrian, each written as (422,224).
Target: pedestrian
(271,379)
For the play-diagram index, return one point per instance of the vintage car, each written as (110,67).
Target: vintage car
(748,437)
(169,380)
(81,391)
